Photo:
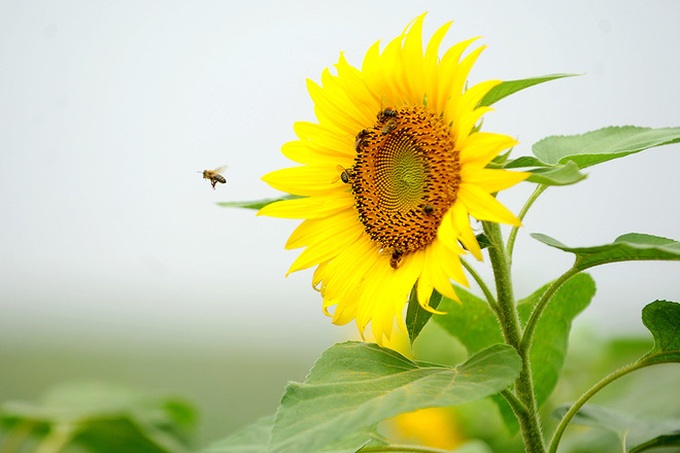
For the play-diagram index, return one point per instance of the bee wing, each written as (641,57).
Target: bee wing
(220,169)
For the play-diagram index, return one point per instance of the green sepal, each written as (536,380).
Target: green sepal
(416,316)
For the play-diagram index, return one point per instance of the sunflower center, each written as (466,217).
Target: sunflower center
(405,177)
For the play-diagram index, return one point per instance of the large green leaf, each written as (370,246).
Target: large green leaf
(602,145)
(640,433)
(508,87)
(105,419)
(254,204)
(662,318)
(254,438)
(354,386)
(629,247)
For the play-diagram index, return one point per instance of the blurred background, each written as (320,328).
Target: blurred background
(118,265)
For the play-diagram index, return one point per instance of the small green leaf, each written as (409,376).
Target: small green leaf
(561,175)
(602,145)
(471,321)
(255,204)
(508,87)
(662,318)
(354,386)
(629,247)
(253,438)
(417,316)
(551,175)
(641,433)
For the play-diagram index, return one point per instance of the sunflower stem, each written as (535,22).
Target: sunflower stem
(482,285)
(529,421)
(513,232)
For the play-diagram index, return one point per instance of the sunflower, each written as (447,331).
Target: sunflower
(389,178)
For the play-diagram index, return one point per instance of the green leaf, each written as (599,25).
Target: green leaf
(561,175)
(629,247)
(602,145)
(417,316)
(508,87)
(254,438)
(106,419)
(551,337)
(662,318)
(354,386)
(641,433)
(471,321)
(664,440)
(255,204)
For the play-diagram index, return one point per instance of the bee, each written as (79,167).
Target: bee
(214,176)
(389,126)
(360,139)
(395,259)
(345,175)
(385,114)
(428,209)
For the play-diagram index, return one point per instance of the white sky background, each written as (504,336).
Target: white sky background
(109,109)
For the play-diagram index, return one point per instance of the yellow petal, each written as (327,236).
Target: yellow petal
(483,206)
(307,208)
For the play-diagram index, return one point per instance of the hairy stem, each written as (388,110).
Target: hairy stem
(513,232)
(529,421)
(482,285)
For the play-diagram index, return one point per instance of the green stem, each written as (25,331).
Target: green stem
(513,232)
(530,327)
(482,285)
(529,421)
(559,431)
(516,405)
(402,448)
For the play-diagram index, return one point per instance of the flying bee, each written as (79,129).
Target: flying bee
(214,176)
(395,259)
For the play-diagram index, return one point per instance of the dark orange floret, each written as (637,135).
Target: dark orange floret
(405,177)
